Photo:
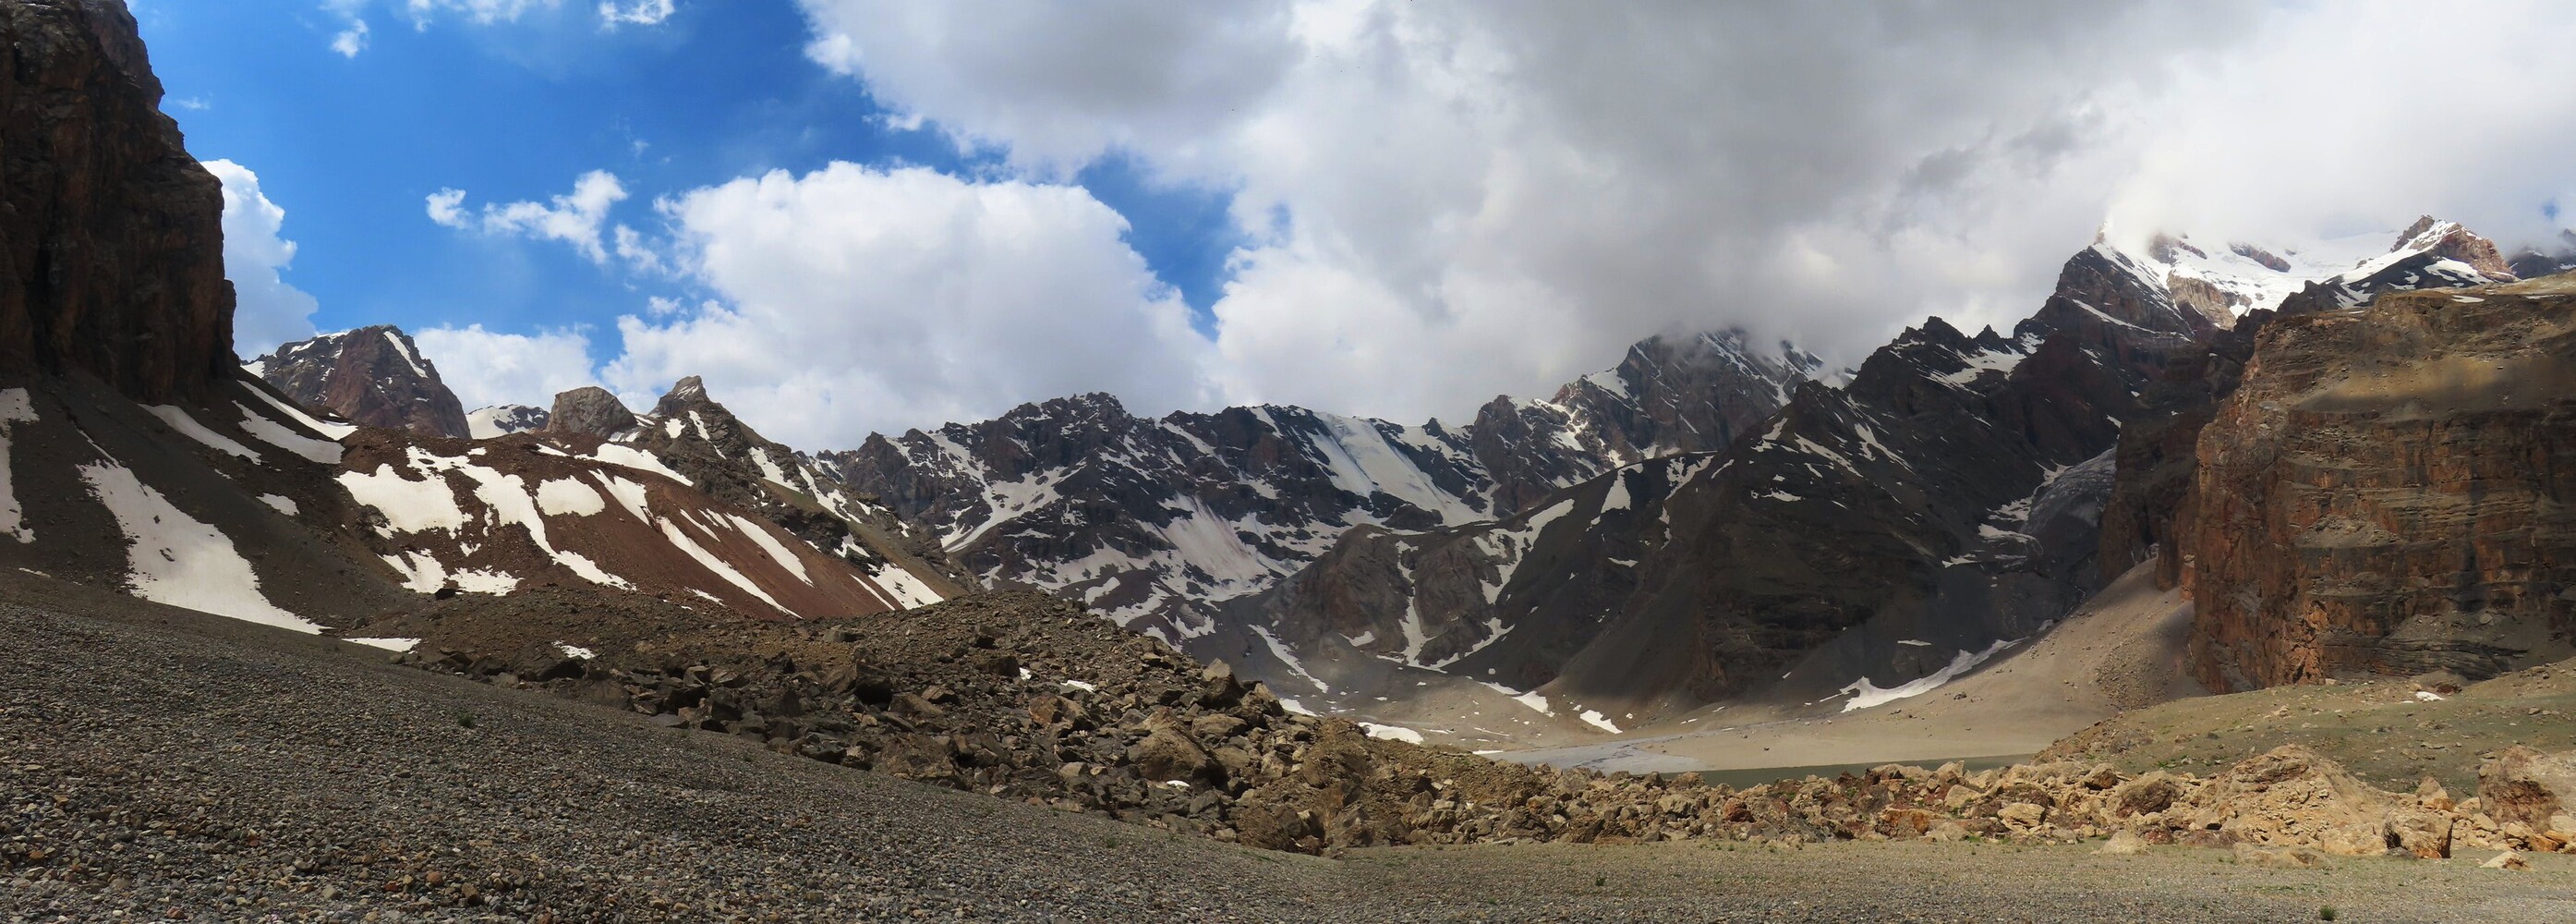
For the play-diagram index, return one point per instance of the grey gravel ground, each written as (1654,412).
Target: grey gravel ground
(157,764)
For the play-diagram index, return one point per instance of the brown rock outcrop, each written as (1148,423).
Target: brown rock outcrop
(373,376)
(590,410)
(2385,493)
(111,236)
(2523,786)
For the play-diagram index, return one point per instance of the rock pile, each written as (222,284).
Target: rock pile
(1022,696)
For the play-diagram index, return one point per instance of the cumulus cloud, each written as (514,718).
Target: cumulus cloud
(2350,120)
(852,299)
(577,218)
(479,11)
(485,368)
(1446,200)
(636,13)
(267,311)
(348,42)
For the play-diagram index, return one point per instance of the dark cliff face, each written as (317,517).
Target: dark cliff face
(111,235)
(2385,493)
(373,376)
(2156,455)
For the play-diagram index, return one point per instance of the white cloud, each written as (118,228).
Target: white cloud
(447,207)
(576,218)
(2321,129)
(485,368)
(636,12)
(1446,200)
(348,42)
(481,12)
(267,311)
(855,299)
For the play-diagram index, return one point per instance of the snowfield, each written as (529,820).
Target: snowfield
(178,560)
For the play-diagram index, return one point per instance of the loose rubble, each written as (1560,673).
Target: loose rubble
(1025,697)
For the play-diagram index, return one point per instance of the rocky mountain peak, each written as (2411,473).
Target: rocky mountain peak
(373,376)
(683,393)
(589,409)
(2449,241)
(111,236)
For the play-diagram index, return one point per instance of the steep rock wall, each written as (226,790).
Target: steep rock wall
(111,236)
(2388,492)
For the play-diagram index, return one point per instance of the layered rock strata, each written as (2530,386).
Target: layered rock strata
(2386,493)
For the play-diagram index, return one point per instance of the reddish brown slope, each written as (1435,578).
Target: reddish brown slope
(498,516)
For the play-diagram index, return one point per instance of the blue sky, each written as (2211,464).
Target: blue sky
(350,146)
(852,216)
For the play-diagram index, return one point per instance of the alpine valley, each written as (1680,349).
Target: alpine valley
(2256,545)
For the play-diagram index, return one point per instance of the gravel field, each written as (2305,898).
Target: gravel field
(160,764)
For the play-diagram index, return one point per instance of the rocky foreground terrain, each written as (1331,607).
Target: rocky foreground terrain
(159,765)
(1025,697)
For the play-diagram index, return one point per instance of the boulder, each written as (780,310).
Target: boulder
(916,706)
(2419,833)
(1050,709)
(918,757)
(1167,754)
(1215,726)
(2023,816)
(2507,860)
(2523,786)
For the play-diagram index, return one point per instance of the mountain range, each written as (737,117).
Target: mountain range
(2255,546)
(1686,530)
(1674,533)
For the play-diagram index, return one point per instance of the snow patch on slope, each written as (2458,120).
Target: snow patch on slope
(777,551)
(1391,732)
(1865,694)
(15,408)
(178,560)
(179,419)
(717,565)
(409,506)
(909,590)
(624,456)
(568,497)
(296,414)
(318,452)
(1280,650)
